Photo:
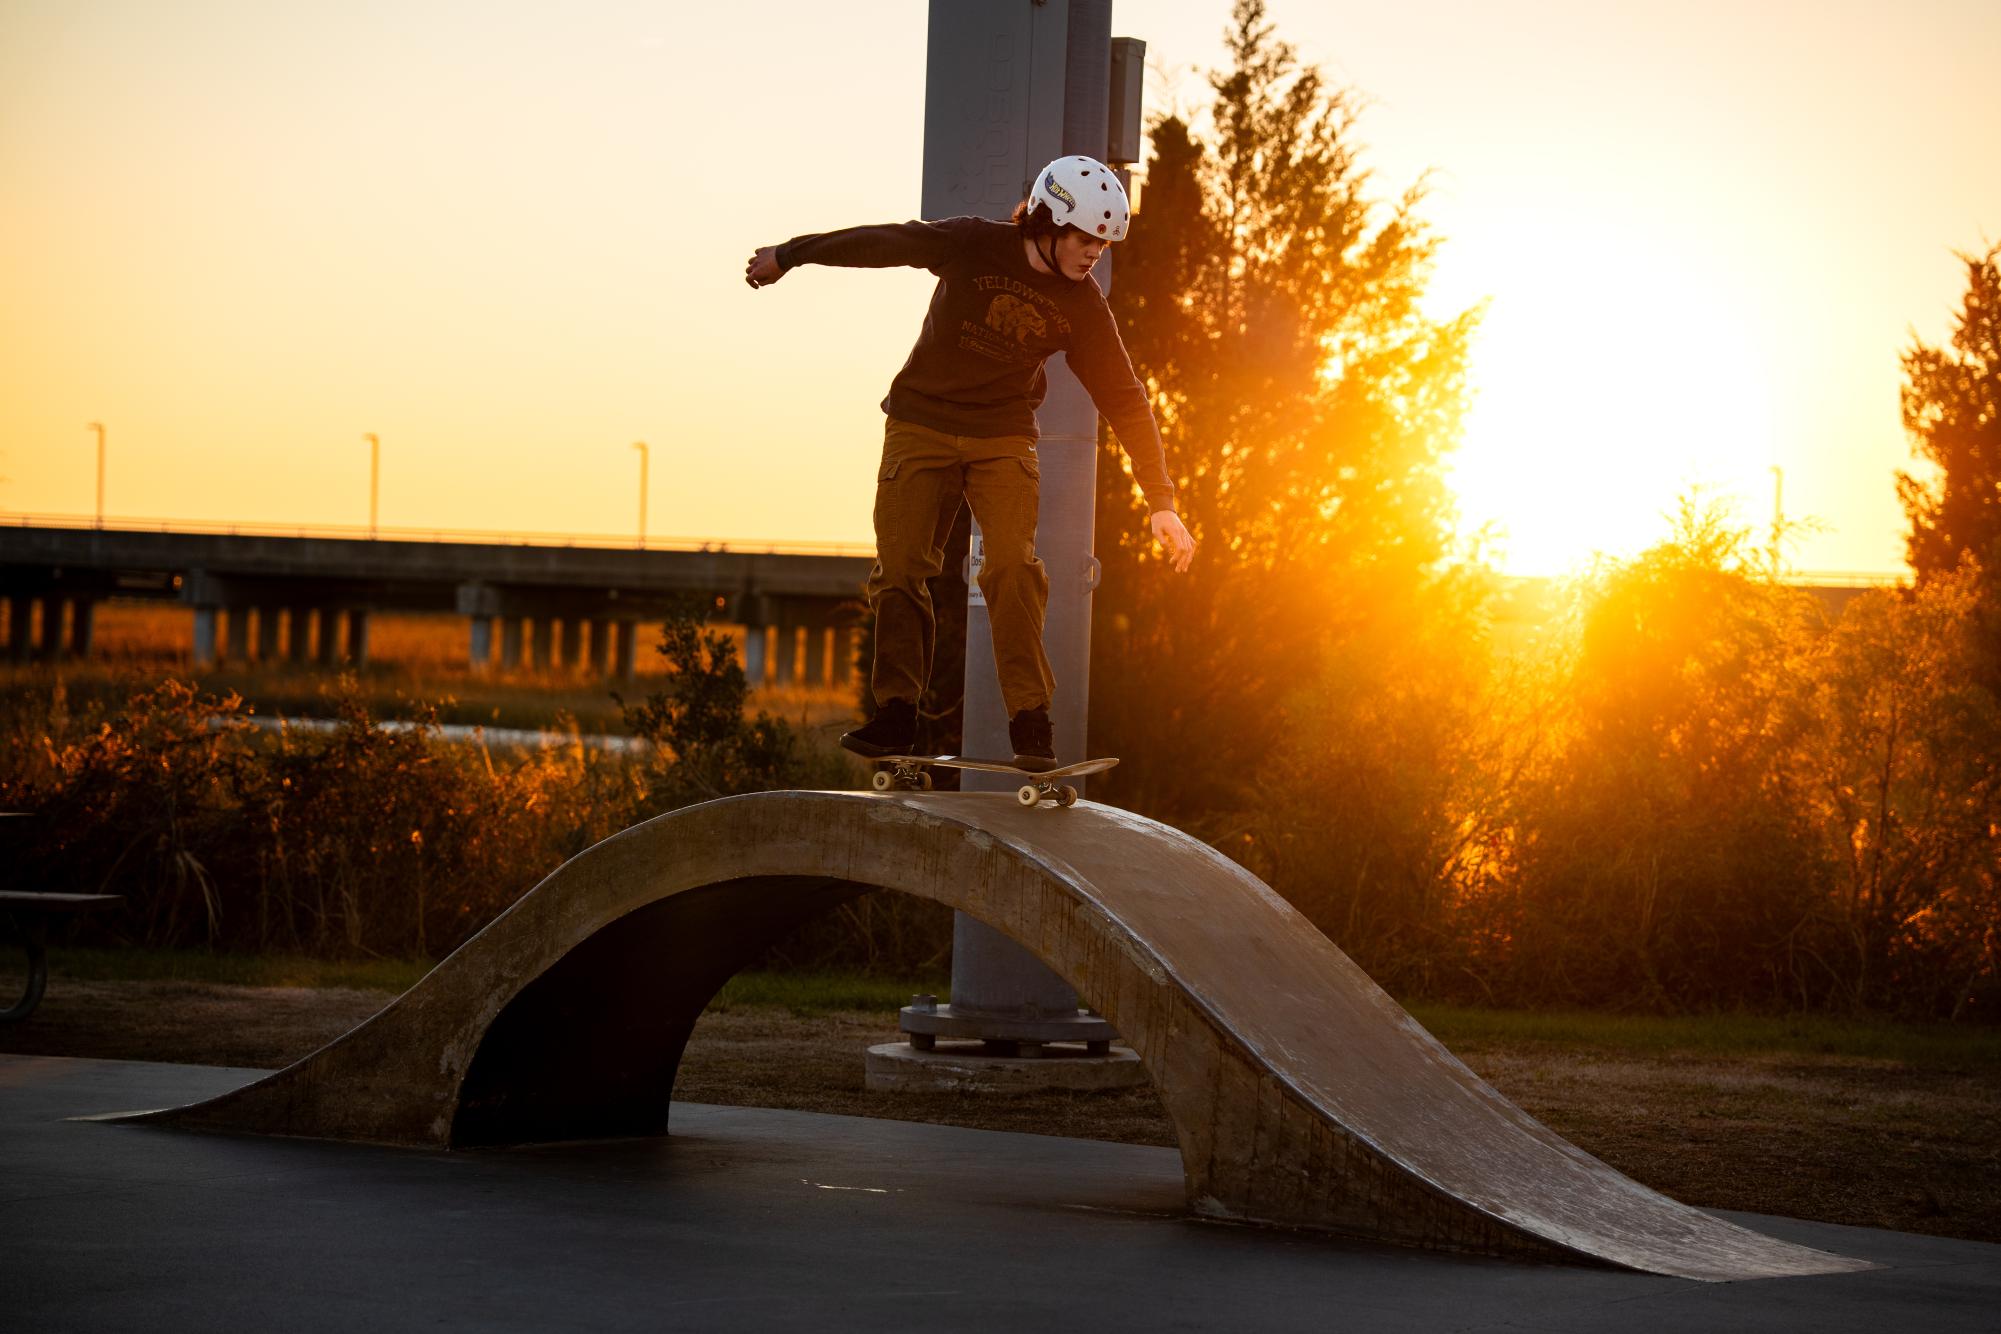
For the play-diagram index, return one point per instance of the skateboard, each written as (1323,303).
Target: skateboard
(906,772)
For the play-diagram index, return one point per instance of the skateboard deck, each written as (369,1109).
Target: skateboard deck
(907,772)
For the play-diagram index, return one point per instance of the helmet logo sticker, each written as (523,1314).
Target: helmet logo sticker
(1049,184)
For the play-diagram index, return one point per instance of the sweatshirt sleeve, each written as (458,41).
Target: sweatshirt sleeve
(917,245)
(1098,356)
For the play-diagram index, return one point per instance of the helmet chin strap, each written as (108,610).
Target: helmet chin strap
(1045,246)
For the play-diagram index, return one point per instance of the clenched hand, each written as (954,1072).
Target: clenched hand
(763,270)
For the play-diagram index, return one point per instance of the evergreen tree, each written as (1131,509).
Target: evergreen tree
(1952,410)
(1272,307)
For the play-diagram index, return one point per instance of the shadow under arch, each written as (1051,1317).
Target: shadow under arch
(1299,1091)
(591,1047)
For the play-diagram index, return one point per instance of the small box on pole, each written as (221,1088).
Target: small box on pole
(1122,139)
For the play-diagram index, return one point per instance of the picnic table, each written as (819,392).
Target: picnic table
(29,911)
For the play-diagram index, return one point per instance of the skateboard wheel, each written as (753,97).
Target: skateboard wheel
(1066,795)
(1028,795)
(882,780)
(924,781)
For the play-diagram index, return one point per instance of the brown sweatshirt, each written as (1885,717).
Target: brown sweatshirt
(977,366)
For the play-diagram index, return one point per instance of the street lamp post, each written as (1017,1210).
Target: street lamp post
(640,445)
(99,428)
(374,476)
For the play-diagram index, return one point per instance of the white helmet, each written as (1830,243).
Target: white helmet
(1084,193)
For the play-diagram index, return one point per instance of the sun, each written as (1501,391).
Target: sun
(1605,384)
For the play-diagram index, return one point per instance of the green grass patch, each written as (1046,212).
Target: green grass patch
(1727,1035)
(806,994)
(238,970)
(811,994)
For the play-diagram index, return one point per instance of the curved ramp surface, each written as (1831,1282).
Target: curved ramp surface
(1300,1092)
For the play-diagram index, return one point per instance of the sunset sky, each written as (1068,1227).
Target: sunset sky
(508,239)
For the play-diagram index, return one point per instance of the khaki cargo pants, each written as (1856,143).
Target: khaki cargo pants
(924,475)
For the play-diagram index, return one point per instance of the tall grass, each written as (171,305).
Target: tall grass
(361,842)
(1688,793)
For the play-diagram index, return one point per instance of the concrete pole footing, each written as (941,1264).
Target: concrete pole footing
(964,1066)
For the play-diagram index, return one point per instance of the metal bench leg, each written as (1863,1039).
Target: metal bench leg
(35,930)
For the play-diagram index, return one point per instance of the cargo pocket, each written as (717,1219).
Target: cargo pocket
(885,507)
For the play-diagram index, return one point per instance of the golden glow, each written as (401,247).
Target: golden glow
(1608,379)
(508,240)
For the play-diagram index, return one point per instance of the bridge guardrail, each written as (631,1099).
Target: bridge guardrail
(496,537)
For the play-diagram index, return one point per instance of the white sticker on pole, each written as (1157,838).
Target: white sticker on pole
(976,554)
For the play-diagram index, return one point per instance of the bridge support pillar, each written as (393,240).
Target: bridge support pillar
(573,644)
(510,643)
(204,651)
(329,636)
(479,652)
(236,629)
(82,625)
(627,654)
(298,634)
(788,653)
(479,603)
(543,639)
(267,634)
(816,655)
(20,626)
(357,637)
(842,668)
(51,644)
(599,652)
(753,655)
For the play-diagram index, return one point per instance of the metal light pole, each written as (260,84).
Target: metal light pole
(1009,87)
(99,428)
(374,476)
(640,445)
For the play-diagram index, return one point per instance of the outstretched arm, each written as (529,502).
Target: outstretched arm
(920,245)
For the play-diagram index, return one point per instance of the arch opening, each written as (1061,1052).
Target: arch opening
(588,1049)
(591,1047)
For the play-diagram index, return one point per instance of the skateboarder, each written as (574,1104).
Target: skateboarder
(962,426)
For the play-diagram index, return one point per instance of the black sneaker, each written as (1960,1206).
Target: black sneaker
(893,731)
(1033,740)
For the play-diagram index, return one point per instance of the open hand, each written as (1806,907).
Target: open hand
(763,270)
(1170,532)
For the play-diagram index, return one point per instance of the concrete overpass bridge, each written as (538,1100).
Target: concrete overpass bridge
(264,592)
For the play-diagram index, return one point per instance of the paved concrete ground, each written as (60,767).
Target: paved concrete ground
(771,1220)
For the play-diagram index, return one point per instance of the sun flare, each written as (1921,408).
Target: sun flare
(1603,388)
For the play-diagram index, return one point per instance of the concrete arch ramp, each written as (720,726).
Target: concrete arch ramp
(1300,1092)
